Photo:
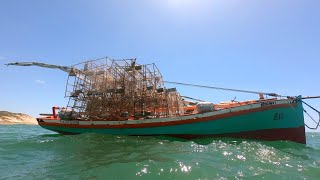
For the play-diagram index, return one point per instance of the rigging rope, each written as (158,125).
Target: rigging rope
(318,123)
(187,97)
(311,97)
(225,89)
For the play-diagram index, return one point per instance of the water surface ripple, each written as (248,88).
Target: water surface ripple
(30,152)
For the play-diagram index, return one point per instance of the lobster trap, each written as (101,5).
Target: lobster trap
(109,89)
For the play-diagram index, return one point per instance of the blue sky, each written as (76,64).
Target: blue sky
(266,45)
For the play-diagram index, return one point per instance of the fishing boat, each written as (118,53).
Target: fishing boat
(121,97)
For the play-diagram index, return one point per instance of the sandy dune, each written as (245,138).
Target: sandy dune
(16,118)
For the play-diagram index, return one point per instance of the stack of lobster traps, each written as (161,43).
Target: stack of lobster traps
(109,89)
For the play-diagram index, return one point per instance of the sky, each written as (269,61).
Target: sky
(265,45)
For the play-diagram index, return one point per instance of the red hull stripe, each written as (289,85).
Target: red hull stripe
(288,134)
(171,123)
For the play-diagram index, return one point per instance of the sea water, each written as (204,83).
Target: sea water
(30,152)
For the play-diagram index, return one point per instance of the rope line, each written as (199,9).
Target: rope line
(187,97)
(255,92)
(225,89)
(318,123)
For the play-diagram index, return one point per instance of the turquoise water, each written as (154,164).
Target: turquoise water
(30,152)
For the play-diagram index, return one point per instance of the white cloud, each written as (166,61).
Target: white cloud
(40,82)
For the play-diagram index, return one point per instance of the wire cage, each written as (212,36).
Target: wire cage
(110,89)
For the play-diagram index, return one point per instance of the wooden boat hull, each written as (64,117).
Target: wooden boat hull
(266,120)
